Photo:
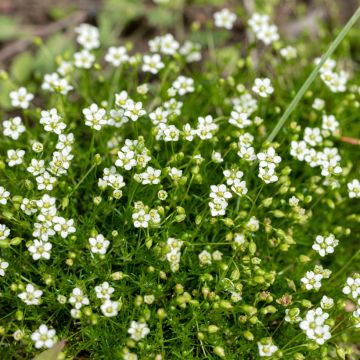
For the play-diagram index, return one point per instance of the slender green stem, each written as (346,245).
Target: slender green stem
(345,265)
(82,179)
(313,75)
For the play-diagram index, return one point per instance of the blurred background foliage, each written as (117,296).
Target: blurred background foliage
(33,33)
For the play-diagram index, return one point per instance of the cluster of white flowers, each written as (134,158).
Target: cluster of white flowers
(174,253)
(47,224)
(246,150)
(77,299)
(234,179)
(55,83)
(315,325)
(267,163)
(263,29)
(219,195)
(168,45)
(335,81)
(144,217)
(133,154)
(111,178)
(325,245)
(328,159)
(108,307)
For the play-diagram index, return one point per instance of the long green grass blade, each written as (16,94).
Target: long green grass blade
(313,75)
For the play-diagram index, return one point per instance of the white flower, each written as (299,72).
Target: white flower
(240,120)
(268,34)
(141,219)
(109,308)
(353,188)
(183,85)
(13,127)
(104,291)
(45,181)
(218,206)
(78,299)
(318,104)
(138,330)
(326,302)
(314,326)
(65,68)
(205,258)
(313,136)
(152,63)
(220,191)
(40,249)
(21,98)
(3,266)
(95,117)
(126,160)
(43,337)
(64,227)
(325,245)
(292,315)
(4,195)
(312,280)
(239,187)
(133,110)
(36,167)
(352,287)
(299,150)
(267,348)
(191,51)
(28,206)
(232,175)
(15,157)
(117,56)
(31,296)
(216,157)
(288,52)
(4,232)
(88,36)
(258,21)
(121,99)
(84,59)
(263,87)
(99,244)
(165,44)
(225,19)
(52,121)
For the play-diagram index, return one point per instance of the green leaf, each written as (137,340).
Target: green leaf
(53,353)
(22,67)
(161,17)
(9,28)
